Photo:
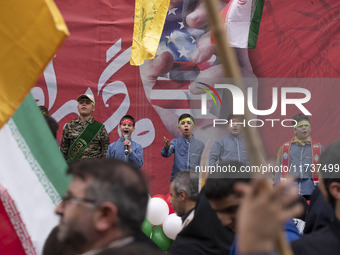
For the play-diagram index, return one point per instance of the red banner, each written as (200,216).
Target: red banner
(297,39)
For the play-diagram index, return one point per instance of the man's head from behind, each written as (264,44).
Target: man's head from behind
(330,175)
(219,190)
(183,192)
(105,201)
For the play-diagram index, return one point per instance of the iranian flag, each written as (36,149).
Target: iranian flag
(32,180)
(32,170)
(242,22)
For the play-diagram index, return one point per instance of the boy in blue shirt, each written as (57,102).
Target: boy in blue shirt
(232,146)
(124,148)
(187,149)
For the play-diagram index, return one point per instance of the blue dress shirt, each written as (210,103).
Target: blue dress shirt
(116,150)
(187,154)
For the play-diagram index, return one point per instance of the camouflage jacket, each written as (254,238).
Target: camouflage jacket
(98,146)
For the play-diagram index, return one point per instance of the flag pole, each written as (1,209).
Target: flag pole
(231,69)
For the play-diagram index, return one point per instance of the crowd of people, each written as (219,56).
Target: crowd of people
(105,205)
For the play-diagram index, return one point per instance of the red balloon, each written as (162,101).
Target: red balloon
(168,197)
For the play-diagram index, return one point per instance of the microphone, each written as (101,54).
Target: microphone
(126,150)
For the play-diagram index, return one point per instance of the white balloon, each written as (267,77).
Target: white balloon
(172,226)
(157,211)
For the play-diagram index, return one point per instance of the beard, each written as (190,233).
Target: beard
(71,237)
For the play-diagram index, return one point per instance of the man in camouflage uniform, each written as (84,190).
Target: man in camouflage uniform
(84,137)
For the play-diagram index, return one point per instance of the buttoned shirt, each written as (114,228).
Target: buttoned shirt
(187,153)
(300,164)
(116,150)
(228,148)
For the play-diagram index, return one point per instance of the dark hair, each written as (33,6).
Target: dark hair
(52,124)
(330,158)
(117,182)
(185,115)
(188,182)
(129,117)
(299,117)
(43,110)
(221,184)
(231,116)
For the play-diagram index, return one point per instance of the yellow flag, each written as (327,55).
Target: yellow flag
(149,22)
(31,31)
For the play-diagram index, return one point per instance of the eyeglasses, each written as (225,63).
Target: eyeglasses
(71,199)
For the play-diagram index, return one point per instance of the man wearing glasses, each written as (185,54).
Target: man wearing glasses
(104,207)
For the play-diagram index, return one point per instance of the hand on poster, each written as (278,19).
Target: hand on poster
(206,51)
(185,54)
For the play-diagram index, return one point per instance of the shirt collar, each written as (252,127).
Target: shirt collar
(235,137)
(90,120)
(302,142)
(186,139)
(184,216)
(123,139)
(115,244)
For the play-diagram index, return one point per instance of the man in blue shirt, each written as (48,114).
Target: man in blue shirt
(187,149)
(124,148)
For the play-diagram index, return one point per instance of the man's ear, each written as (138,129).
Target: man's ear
(183,195)
(334,189)
(106,216)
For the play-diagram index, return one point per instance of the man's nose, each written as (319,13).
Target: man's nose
(59,209)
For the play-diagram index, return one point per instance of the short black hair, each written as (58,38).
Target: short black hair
(330,161)
(129,117)
(185,115)
(221,185)
(231,116)
(299,117)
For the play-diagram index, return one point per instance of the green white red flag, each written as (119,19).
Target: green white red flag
(242,22)
(32,180)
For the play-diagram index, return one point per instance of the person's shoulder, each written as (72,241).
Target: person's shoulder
(199,142)
(318,239)
(223,139)
(72,123)
(137,144)
(177,140)
(114,143)
(285,144)
(131,249)
(92,120)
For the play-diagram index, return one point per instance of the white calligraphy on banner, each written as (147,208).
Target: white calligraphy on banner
(145,131)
